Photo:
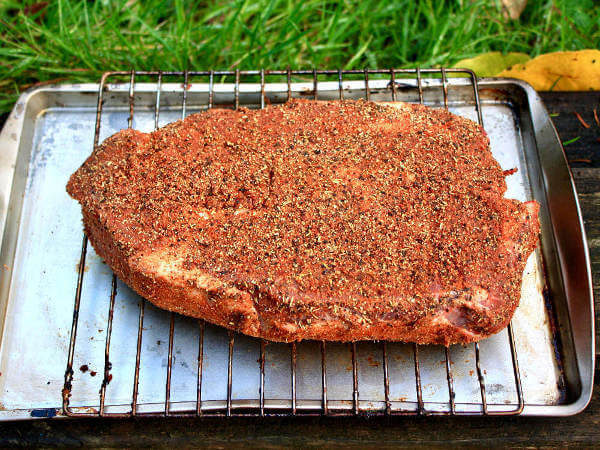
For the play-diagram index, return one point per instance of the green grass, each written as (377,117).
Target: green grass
(78,40)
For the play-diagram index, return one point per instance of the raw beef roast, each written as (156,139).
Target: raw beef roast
(343,220)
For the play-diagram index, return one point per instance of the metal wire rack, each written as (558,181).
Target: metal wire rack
(229,409)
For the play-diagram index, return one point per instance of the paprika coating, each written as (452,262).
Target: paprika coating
(328,220)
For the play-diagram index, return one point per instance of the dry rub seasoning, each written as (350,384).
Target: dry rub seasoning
(327,220)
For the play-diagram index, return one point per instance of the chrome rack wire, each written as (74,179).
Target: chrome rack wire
(230,409)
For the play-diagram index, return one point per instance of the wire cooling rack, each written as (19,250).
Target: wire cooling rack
(230,407)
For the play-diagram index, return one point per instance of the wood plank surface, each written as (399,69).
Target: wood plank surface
(582,430)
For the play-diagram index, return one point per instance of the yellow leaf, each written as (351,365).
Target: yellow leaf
(489,64)
(560,71)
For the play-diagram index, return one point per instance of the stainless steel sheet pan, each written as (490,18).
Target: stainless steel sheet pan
(51,131)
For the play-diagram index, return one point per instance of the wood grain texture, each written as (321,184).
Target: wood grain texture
(563,106)
(582,430)
(588,190)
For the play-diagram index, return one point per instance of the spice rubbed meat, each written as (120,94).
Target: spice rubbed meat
(343,220)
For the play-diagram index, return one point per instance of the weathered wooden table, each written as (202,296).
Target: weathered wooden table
(580,430)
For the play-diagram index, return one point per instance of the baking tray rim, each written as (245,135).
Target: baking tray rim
(11,142)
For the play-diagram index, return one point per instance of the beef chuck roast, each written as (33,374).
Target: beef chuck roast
(342,221)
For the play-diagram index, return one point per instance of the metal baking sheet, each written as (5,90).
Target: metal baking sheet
(50,133)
